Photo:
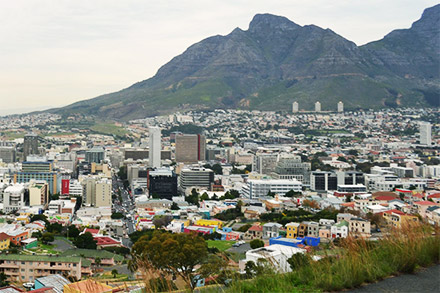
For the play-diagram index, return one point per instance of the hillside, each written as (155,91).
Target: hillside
(276,62)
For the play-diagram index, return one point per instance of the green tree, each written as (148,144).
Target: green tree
(292,193)
(117,216)
(204,196)
(85,241)
(55,228)
(72,231)
(256,243)
(175,206)
(162,221)
(97,261)
(244,228)
(193,198)
(47,238)
(3,280)
(114,273)
(39,217)
(177,254)
(298,260)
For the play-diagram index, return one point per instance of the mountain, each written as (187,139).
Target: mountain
(276,62)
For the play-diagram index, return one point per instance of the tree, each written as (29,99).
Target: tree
(262,267)
(40,217)
(176,254)
(256,243)
(292,193)
(54,228)
(72,231)
(298,260)
(162,221)
(85,241)
(47,238)
(204,196)
(117,216)
(114,273)
(175,206)
(97,261)
(244,228)
(193,198)
(3,280)
(310,204)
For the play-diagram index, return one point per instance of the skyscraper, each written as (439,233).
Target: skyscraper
(295,107)
(190,148)
(30,145)
(155,147)
(425,133)
(317,107)
(340,106)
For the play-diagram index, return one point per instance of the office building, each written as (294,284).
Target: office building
(95,155)
(13,198)
(295,107)
(425,133)
(291,167)
(162,183)
(30,145)
(340,106)
(259,188)
(52,178)
(38,193)
(196,177)
(7,154)
(323,181)
(264,163)
(350,177)
(190,148)
(103,193)
(155,147)
(317,107)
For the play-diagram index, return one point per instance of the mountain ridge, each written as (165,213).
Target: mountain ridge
(276,62)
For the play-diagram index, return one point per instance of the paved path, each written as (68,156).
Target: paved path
(426,280)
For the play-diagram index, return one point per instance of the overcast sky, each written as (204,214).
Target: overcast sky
(56,52)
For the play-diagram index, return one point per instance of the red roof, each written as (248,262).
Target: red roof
(437,195)
(92,231)
(256,228)
(394,211)
(105,240)
(385,197)
(4,236)
(425,203)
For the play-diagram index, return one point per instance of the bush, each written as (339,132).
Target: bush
(256,243)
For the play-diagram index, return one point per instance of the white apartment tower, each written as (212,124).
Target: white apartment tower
(155,147)
(425,133)
(295,107)
(340,106)
(317,107)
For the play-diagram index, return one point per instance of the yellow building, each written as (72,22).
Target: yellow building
(4,241)
(24,217)
(292,230)
(397,218)
(203,222)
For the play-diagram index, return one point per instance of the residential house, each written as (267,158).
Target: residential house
(292,230)
(340,230)
(271,230)
(396,218)
(325,232)
(420,207)
(4,241)
(313,229)
(359,227)
(254,232)
(433,215)
(302,229)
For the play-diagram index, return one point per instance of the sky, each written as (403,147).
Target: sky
(56,52)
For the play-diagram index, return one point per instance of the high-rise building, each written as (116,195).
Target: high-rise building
(162,183)
(323,181)
(38,193)
(103,193)
(13,198)
(340,106)
(317,107)
(154,154)
(264,163)
(190,148)
(425,133)
(295,107)
(95,155)
(196,177)
(30,145)
(292,167)
(7,154)
(259,188)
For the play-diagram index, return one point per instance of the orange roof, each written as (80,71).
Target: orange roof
(4,236)
(425,203)
(256,228)
(386,197)
(89,286)
(437,195)
(394,211)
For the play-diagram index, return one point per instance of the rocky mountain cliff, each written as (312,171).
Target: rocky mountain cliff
(276,62)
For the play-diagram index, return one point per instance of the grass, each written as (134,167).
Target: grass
(220,244)
(359,262)
(108,128)
(44,249)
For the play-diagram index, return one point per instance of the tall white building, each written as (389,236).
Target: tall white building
(155,147)
(259,188)
(340,106)
(295,107)
(425,133)
(317,107)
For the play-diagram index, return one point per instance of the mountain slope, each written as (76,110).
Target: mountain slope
(276,62)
